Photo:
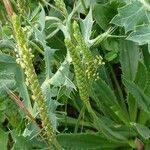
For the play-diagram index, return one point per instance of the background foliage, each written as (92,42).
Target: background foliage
(119,93)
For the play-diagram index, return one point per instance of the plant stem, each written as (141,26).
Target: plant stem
(79,118)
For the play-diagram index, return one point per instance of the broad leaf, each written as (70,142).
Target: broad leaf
(131,15)
(103,13)
(141,35)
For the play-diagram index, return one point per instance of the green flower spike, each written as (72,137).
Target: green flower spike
(79,71)
(87,55)
(25,59)
(22,7)
(81,80)
(61,6)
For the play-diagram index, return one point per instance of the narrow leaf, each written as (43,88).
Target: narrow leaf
(87,141)
(105,95)
(129,51)
(139,95)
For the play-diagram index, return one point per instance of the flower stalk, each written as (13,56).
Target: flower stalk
(91,63)
(25,60)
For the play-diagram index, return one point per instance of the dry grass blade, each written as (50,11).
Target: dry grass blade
(21,105)
(9,8)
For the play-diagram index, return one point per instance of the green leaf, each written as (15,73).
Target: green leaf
(131,15)
(147,146)
(34,13)
(129,51)
(22,88)
(132,107)
(111,45)
(51,85)
(146,56)
(26,143)
(139,95)
(121,1)
(6,44)
(111,56)
(86,26)
(3,140)
(87,142)
(7,75)
(13,114)
(141,35)
(41,20)
(141,78)
(12,76)
(105,95)
(103,13)
(59,78)
(3,104)
(142,130)
(88,3)
(49,58)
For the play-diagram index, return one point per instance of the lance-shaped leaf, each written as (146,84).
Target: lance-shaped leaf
(139,95)
(129,51)
(106,95)
(143,130)
(88,142)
